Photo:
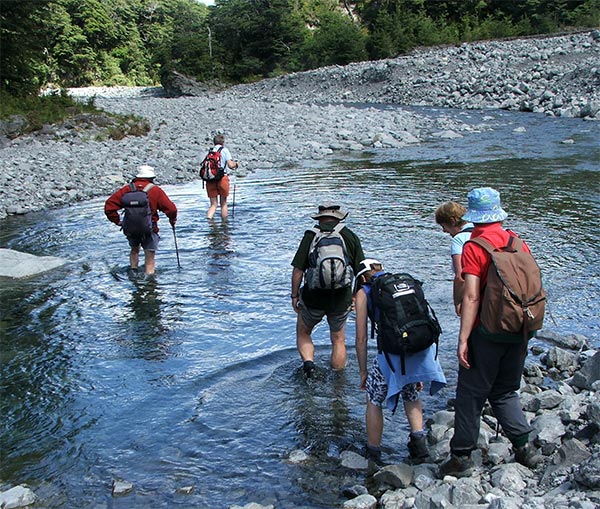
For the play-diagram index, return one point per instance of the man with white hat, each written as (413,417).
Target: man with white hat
(142,188)
(318,298)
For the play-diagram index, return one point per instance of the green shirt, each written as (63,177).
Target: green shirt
(332,301)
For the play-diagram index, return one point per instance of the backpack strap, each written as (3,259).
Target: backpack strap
(320,233)
(482,243)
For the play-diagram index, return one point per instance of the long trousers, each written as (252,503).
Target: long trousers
(495,375)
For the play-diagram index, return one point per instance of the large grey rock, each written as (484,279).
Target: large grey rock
(361,502)
(252,505)
(588,374)
(397,476)
(548,429)
(508,478)
(354,461)
(570,341)
(16,264)
(176,84)
(588,472)
(18,496)
(561,359)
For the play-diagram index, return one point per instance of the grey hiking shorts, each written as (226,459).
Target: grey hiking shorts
(312,317)
(149,243)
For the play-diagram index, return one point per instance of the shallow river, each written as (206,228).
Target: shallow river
(193,380)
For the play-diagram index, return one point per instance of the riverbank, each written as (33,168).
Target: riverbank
(304,117)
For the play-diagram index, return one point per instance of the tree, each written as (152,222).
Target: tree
(23,39)
(337,40)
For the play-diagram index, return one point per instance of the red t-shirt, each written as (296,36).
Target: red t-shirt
(476,260)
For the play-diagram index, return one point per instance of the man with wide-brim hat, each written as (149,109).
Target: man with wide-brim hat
(490,364)
(143,182)
(328,257)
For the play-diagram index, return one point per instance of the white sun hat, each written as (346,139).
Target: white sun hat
(145,172)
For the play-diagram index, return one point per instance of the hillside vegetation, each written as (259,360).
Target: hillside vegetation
(72,43)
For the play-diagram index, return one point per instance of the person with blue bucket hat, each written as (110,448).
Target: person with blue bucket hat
(490,364)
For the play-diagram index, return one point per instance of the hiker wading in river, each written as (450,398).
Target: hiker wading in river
(141,200)
(327,258)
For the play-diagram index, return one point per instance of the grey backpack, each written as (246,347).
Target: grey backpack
(329,267)
(137,215)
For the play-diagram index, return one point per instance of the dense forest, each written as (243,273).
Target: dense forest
(70,43)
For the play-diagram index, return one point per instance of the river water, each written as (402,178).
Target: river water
(193,379)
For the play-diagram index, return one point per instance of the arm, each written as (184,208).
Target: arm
(458,283)
(229,161)
(470,308)
(296,281)
(165,205)
(361,335)
(112,207)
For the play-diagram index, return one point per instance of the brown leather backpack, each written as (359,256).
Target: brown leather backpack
(514,300)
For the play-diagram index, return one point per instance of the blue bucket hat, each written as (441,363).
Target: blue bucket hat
(484,206)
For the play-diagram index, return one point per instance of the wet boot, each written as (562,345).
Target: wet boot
(309,368)
(457,466)
(373,455)
(417,447)
(528,456)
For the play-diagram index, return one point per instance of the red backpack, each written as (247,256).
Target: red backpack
(210,169)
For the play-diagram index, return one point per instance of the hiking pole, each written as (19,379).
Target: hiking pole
(233,204)
(176,248)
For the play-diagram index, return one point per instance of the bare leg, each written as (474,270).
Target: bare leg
(374,420)
(414,414)
(304,343)
(213,207)
(150,260)
(224,210)
(338,351)
(134,257)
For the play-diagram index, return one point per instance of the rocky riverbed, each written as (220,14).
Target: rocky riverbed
(301,117)
(559,393)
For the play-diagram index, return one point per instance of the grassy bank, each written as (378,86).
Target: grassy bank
(32,113)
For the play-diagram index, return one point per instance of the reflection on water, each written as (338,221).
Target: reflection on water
(192,379)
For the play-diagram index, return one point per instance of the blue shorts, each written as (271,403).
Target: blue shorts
(149,243)
(377,388)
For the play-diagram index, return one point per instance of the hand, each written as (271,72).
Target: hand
(295,304)
(172,221)
(463,354)
(363,380)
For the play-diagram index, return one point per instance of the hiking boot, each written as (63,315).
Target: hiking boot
(528,456)
(372,453)
(417,447)
(373,456)
(457,466)
(309,368)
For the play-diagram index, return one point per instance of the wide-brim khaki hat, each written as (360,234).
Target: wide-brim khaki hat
(330,211)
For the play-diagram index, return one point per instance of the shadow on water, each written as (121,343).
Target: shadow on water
(192,379)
